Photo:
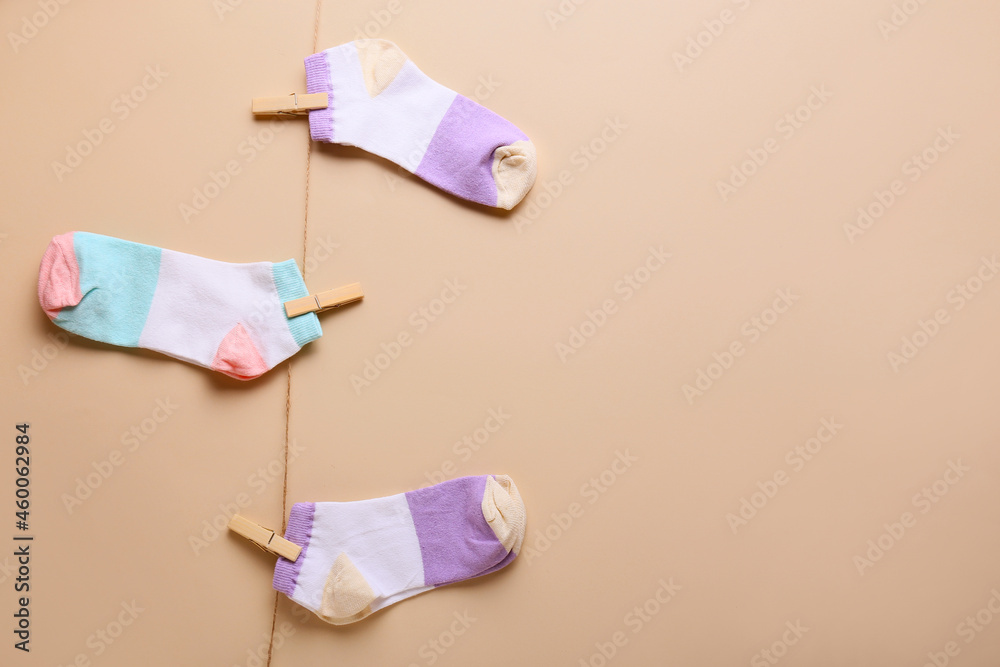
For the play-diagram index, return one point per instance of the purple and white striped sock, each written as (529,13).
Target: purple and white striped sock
(362,556)
(381,102)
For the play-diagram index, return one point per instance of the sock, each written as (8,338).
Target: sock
(359,557)
(381,102)
(227,317)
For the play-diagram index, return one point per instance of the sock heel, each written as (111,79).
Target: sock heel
(381,61)
(347,597)
(238,357)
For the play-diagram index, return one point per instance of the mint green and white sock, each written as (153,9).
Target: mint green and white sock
(227,317)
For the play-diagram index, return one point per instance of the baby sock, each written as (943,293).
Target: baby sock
(381,102)
(359,557)
(227,317)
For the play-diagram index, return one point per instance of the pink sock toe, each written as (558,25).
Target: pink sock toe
(59,276)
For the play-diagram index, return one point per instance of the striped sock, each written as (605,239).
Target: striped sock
(362,556)
(227,317)
(381,102)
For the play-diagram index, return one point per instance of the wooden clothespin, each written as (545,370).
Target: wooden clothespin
(295,104)
(324,300)
(265,538)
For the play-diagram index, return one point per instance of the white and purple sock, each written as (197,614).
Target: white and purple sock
(362,556)
(381,102)
(227,317)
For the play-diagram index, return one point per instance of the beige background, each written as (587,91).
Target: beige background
(529,277)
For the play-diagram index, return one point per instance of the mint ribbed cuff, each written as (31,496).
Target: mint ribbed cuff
(288,280)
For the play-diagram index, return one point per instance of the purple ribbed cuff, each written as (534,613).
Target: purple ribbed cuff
(318,81)
(299,530)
